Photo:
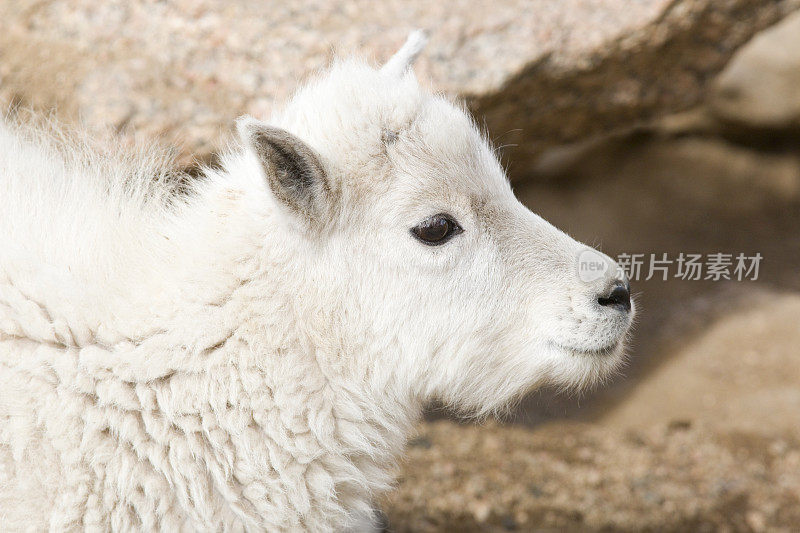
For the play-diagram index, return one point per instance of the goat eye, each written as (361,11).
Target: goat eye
(436,230)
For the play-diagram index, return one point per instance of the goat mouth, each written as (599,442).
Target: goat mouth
(604,351)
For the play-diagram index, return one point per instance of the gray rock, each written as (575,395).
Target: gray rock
(660,67)
(539,73)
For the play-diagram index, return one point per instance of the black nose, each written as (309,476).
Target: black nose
(618,297)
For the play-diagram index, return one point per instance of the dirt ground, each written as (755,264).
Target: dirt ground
(679,476)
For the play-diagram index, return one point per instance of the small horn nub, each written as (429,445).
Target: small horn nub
(402,60)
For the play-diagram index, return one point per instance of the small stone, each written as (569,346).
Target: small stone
(421,441)
(681,424)
(756,520)
(509,523)
(480,510)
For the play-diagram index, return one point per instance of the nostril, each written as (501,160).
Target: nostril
(619,297)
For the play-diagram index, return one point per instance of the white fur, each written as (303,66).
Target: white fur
(205,361)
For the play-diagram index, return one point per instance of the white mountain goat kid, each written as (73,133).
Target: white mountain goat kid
(249,350)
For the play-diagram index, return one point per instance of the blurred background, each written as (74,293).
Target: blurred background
(639,126)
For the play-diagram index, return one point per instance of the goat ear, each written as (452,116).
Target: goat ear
(403,59)
(292,168)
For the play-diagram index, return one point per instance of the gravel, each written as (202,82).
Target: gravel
(678,476)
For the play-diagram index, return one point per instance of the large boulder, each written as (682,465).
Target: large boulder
(539,73)
(760,87)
